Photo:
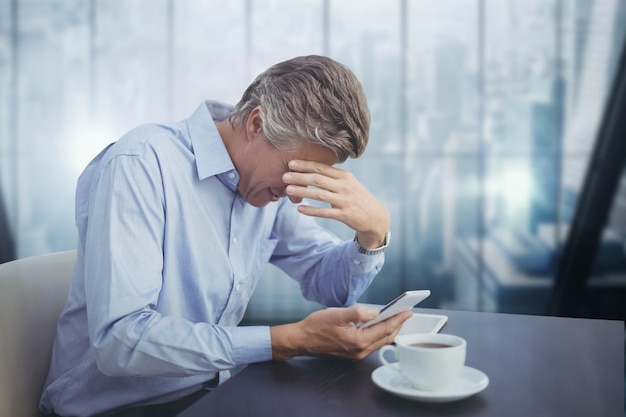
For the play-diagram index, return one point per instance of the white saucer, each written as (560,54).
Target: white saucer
(471,381)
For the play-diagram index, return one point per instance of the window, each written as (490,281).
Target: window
(484,112)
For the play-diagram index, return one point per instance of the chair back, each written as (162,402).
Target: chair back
(33,292)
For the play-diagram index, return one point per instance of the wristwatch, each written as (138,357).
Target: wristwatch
(376,251)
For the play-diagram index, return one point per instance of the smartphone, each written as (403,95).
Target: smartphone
(404,301)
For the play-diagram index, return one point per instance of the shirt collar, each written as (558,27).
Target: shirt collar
(212,158)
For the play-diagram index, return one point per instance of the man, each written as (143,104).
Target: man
(176,223)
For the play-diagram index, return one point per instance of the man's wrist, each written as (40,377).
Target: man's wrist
(283,338)
(372,250)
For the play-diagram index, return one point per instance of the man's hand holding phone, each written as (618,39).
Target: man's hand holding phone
(333,332)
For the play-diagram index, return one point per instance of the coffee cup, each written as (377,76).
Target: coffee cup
(430,362)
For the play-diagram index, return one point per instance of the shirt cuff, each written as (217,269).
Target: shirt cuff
(361,263)
(251,344)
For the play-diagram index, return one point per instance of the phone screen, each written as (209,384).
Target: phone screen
(403,302)
(392,302)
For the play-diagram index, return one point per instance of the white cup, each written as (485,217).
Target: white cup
(431,362)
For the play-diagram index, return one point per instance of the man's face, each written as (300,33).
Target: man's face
(263,166)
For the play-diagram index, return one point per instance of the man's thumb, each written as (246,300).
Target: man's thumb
(362,313)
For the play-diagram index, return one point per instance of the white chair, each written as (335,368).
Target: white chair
(33,292)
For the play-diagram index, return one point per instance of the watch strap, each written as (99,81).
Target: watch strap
(375,251)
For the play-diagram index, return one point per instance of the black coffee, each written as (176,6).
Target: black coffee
(430,345)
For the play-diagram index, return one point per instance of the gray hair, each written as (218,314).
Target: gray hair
(309,98)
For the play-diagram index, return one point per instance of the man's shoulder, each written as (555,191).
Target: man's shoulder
(150,140)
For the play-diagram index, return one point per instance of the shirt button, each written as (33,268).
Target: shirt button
(357,262)
(235,240)
(231,175)
(237,287)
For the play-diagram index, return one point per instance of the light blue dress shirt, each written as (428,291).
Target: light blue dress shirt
(169,254)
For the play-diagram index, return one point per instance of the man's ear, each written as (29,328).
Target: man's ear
(254,125)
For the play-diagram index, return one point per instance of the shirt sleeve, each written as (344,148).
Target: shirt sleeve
(329,271)
(123,261)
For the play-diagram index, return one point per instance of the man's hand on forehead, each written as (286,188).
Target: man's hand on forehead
(348,200)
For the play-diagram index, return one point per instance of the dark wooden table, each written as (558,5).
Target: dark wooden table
(537,366)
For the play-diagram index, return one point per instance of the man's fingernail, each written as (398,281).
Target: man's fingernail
(287,177)
(293,163)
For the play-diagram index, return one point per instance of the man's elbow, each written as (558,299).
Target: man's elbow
(110,363)
(113,358)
